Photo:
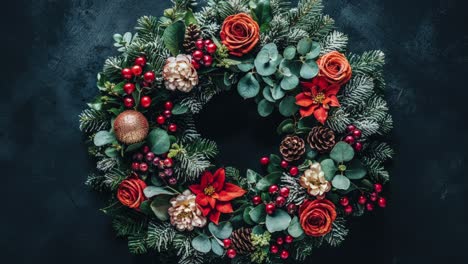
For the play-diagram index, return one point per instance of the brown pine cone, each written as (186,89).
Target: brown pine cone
(241,241)
(321,139)
(292,148)
(192,34)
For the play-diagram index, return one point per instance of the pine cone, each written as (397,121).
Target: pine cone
(321,139)
(292,148)
(179,73)
(192,34)
(241,240)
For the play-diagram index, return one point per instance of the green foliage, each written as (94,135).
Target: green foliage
(222,231)
(160,236)
(159,141)
(201,243)
(174,36)
(338,233)
(109,181)
(93,120)
(335,41)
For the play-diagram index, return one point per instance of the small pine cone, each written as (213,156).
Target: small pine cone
(241,240)
(192,34)
(292,148)
(321,139)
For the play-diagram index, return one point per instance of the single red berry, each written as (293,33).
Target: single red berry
(357,133)
(145,149)
(349,139)
(172,181)
(143,167)
(211,48)
(150,156)
(280,201)
(140,61)
(227,243)
(270,208)
(167,113)
(273,189)
(256,200)
(373,196)
(264,161)
(274,249)
(160,119)
(207,42)
(288,239)
(378,188)
(128,101)
(197,55)
(279,241)
(369,207)
(196,65)
(127,73)
(168,162)
(291,208)
(284,254)
(145,101)
(207,60)
(231,253)
(137,70)
(172,128)
(149,77)
(200,44)
(350,128)
(348,209)
(135,166)
(382,202)
(129,88)
(284,191)
(284,164)
(168,105)
(294,171)
(344,201)
(138,157)
(358,146)
(362,199)
(156,161)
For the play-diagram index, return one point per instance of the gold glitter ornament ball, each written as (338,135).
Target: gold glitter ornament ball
(131,127)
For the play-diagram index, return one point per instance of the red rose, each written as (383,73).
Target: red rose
(240,33)
(317,216)
(130,192)
(335,68)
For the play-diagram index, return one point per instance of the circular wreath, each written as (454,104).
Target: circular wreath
(165,193)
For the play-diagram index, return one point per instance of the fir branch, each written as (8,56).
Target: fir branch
(357,91)
(368,127)
(232,7)
(137,243)
(380,151)
(338,120)
(321,27)
(370,63)
(335,41)
(187,125)
(338,233)
(160,236)
(386,125)
(376,170)
(278,32)
(147,28)
(106,164)
(107,182)
(183,246)
(190,165)
(280,7)
(297,194)
(92,120)
(203,146)
(125,225)
(306,11)
(112,68)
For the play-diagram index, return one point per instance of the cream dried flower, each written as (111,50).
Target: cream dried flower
(179,73)
(184,212)
(314,181)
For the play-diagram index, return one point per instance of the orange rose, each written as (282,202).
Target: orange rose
(240,33)
(130,192)
(317,216)
(335,68)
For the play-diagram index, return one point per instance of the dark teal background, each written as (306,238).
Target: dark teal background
(53,49)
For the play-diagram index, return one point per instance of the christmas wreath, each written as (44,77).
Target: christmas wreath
(166,195)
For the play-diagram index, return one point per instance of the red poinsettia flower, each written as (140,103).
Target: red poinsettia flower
(317,97)
(214,194)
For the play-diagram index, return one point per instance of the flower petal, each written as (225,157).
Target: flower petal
(321,115)
(334,101)
(307,111)
(206,179)
(202,199)
(224,207)
(331,90)
(196,188)
(304,100)
(218,179)
(214,216)
(230,192)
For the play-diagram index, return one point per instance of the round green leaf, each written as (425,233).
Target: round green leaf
(267,95)
(179,109)
(264,108)
(201,243)
(288,107)
(267,181)
(277,93)
(246,215)
(159,141)
(295,229)
(278,221)
(257,214)
(342,152)
(248,86)
(289,82)
(309,69)
(112,152)
(341,182)
(314,52)
(304,45)
(222,231)
(152,191)
(245,67)
(355,170)
(103,138)
(329,168)
(289,53)
(281,127)
(265,69)
(216,247)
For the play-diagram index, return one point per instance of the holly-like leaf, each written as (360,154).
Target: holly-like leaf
(328,168)
(246,215)
(248,86)
(263,12)
(222,231)
(341,182)
(152,191)
(160,207)
(112,152)
(173,37)
(179,109)
(287,126)
(278,221)
(159,141)
(202,243)
(267,181)
(257,214)
(295,229)
(342,152)
(103,138)
(252,176)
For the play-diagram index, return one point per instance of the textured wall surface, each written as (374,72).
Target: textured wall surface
(49,216)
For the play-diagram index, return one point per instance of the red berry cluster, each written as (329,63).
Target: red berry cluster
(231,253)
(166,114)
(280,241)
(203,55)
(134,74)
(368,200)
(293,170)
(353,137)
(145,158)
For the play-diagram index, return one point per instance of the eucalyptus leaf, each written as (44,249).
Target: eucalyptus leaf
(112,152)
(265,108)
(341,182)
(328,168)
(173,37)
(246,215)
(295,229)
(152,191)
(309,69)
(281,127)
(179,109)
(304,45)
(268,81)
(289,82)
(216,247)
(278,221)
(135,146)
(267,95)
(267,181)
(288,107)
(160,207)
(245,67)
(103,138)
(201,243)
(159,141)
(248,86)
(222,231)
(342,152)
(314,52)
(257,214)
(277,93)
(289,53)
